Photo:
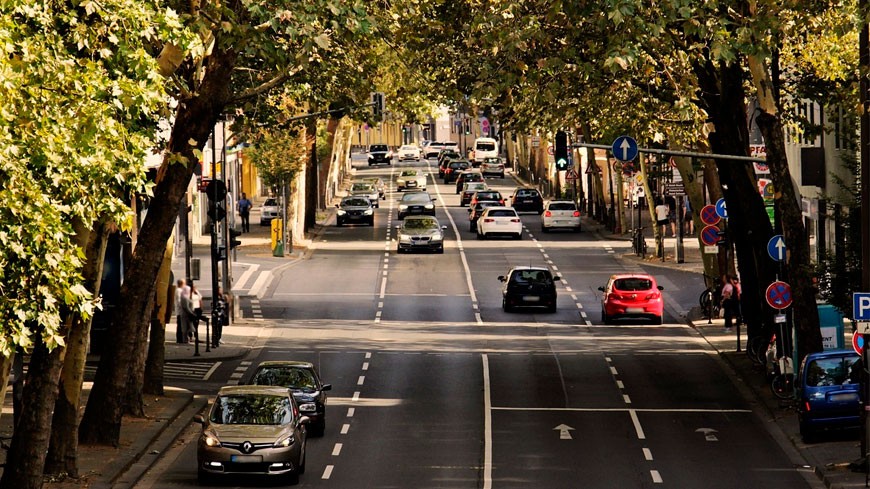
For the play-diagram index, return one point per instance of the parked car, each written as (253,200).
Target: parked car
(421,233)
(378,182)
(268,211)
(467,176)
(631,295)
(452,169)
(413,203)
(488,194)
(252,430)
(367,190)
(499,221)
(829,392)
(529,286)
(468,191)
(380,153)
(526,199)
(302,380)
(409,152)
(355,209)
(562,214)
(411,179)
(476,210)
(492,167)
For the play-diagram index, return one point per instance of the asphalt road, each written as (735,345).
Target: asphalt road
(436,386)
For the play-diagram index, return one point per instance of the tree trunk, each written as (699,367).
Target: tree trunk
(134,403)
(161,314)
(63,446)
(5,370)
(194,120)
(325,165)
(25,459)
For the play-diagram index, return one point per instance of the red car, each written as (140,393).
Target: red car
(632,296)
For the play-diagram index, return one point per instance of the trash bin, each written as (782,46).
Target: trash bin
(831,326)
(195,268)
(279,249)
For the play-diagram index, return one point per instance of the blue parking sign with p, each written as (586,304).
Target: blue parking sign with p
(861,306)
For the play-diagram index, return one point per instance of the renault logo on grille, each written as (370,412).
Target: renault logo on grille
(247,447)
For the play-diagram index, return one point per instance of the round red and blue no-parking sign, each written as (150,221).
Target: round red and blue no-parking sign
(778,295)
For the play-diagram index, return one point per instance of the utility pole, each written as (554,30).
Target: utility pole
(864,66)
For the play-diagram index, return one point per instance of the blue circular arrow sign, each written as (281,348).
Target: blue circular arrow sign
(776,248)
(624,148)
(720,209)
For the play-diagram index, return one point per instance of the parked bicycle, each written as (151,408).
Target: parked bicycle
(639,243)
(710,298)
(780,370)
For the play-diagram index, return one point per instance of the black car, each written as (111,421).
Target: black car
(452,169)
(526,199)
(355,209)
(443,157)
(529,287)
(477,209)
(380,153)
(421,233)
(467,176)
(416,203)
(302,379)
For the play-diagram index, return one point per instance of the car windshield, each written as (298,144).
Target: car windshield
(488,195)
(378,147)
(408,148)
(483,205)
(833,371)
(531,276)
(502,213)
(420,224)
(491,161)
(634,283)
(409,173)
(361,187)
(527,193)
(474,186)
(270,203)
(292,377)
(256,409)
(416,197)
(562,206)
(356,202)
(457,165)
(485,147)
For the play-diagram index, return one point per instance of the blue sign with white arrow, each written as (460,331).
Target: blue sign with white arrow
(624,148)
(776,248)
(721,211)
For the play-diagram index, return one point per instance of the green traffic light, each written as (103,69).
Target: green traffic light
(562,164)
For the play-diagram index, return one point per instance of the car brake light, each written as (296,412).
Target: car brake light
(654,295)
(807,405)
(548,214)
(489,219)
(515,220)
(576,213)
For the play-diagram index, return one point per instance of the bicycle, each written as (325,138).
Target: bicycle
(639,243)
(780,371)
(710,298)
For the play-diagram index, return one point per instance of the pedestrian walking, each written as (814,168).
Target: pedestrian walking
(196,305)
(180,316)
(222,317)
(728,301)
(245,212)
(672,214)
(661,215)
(688,222)
(185,319)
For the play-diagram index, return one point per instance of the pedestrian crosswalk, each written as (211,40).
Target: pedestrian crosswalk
(175,370)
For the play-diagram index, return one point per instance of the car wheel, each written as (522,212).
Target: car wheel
(604,318)
(440,250)
(551,309)
(372,221)
(479,235)
(577,229)
(505,307)
(471,228)
(519,235)
(657,320)
(203,478)
(377,205)
(339,223)
(807,434)
(461,204)
(544,229)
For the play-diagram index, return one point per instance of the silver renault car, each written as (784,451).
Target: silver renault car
(252,430)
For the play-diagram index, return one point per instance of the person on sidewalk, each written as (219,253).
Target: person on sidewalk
(245,212)
(222,315)
(196,305)
(180,316)
(185,319)
(688,222)
(736,295)
(728,301)
(661,216)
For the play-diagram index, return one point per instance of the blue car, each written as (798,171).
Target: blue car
(829,392)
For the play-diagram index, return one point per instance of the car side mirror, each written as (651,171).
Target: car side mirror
(398,226)
(661,288)
(304,420)
(557,278)
(470,211)
(199,419)
(326,387)
(502,278)
(601,289)
(444,228)
(337,206)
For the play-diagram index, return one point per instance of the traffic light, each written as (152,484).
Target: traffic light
(378,103)
(216,211)
(234,238)
(560,152)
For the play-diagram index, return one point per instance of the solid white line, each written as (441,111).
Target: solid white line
(211,370)
(361,380)
(657,479)
(350,412)
(345,428)
(647,454)
(262,281)
(327,472)
(336,451)
(365,366)
(487,426)
(622,410)
(637,427)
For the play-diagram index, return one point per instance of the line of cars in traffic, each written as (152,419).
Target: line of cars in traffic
(261,428)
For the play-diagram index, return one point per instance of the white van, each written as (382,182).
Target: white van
(485,148)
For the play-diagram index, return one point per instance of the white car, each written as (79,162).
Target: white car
(411,179)
(560,214)
(410,152)
(499,221)
(270,210)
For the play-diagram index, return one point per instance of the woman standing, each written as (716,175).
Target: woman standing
(196,304)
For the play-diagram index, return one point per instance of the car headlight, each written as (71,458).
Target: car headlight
(341,212)
(285,441)
(308,406)
(211,439)
(437,237)
(369,212)
(430,206)
(400,182)
(403,207)
(371,156)
(405,238)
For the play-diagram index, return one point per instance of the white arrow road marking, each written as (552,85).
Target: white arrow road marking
(708,433)
(564,432)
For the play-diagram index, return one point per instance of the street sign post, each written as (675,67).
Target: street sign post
(776,248)
(675,189)
(709,215)
(624,148)
(721,211)
(778,295)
